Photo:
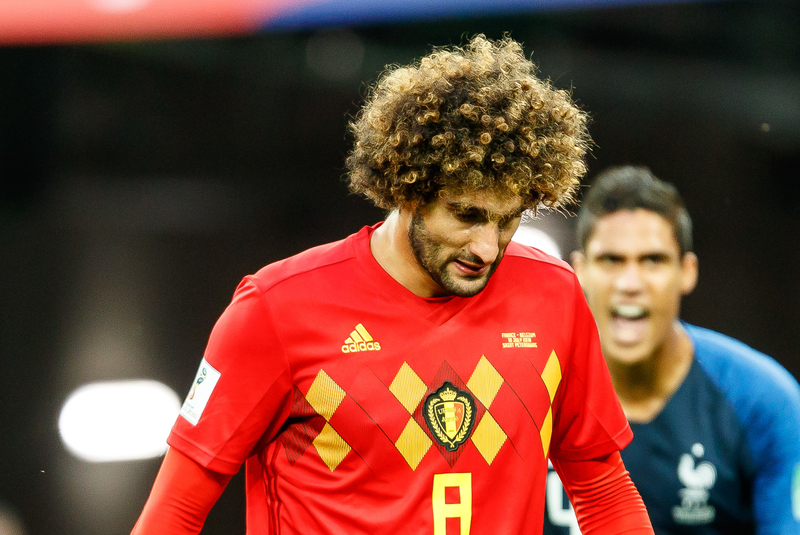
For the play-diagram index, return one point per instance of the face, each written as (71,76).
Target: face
(459,240)
(633,276)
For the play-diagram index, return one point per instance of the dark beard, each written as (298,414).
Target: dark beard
(425,251)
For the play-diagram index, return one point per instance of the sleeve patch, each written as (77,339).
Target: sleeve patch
(202,387)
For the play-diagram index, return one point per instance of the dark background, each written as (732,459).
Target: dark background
(140,181)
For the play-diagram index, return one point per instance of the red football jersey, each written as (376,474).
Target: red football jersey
(361,408)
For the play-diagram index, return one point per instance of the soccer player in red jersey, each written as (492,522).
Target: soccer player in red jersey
(415,377)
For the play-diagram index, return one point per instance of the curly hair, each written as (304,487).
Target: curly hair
(475,117)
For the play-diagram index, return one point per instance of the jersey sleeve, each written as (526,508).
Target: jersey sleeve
(766,399)
(772,419)
(606,500)
(182,496)
(588,420)
(243,389)
(775,436)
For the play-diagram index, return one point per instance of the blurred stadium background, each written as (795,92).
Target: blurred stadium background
(153,152)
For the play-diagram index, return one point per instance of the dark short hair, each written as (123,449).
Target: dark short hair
(628,188)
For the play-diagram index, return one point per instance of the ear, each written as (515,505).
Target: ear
(577,259)
(689,271)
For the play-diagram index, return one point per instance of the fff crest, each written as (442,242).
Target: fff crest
(450,415)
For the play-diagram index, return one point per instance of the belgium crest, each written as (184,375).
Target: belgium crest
(450,415)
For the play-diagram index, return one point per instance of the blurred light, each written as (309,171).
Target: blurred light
(118,420)
(533,237)
(120,6)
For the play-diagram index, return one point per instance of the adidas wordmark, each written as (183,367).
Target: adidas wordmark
(360,340)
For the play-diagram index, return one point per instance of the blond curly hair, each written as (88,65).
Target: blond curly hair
(466,118)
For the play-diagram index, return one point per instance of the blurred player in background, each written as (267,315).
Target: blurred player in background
(716,447)
(414,377)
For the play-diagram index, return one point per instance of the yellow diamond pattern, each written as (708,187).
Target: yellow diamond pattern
(551,375)
(488,437)
(485,382)
(330,446)
(408,388)
(413,444)
(547,431)
(325,395)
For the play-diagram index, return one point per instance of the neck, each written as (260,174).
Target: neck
(645,387)
(391,249)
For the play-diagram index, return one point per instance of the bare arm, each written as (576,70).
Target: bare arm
(183,494)
(604,497)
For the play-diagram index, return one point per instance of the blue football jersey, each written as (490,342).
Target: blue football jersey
(722,457)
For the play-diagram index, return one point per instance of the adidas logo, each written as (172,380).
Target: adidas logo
(360,340)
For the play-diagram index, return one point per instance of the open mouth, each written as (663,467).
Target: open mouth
(629,312)
(628,324)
